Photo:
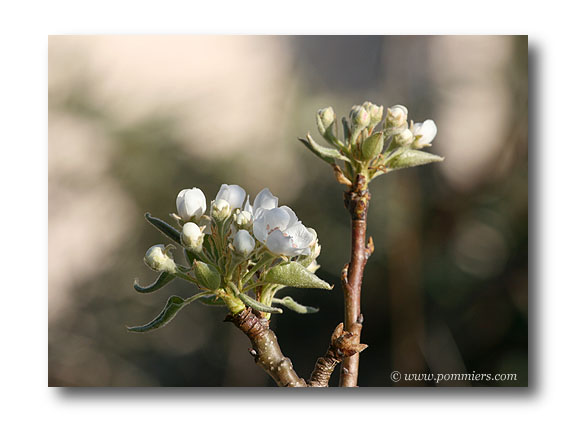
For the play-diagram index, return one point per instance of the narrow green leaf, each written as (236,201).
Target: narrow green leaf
(212,300)
(164,228)
(174,304)
(254,304)
(330,155)
(295,306)
(207,275)
(411,158)
(163,279)
(293,274)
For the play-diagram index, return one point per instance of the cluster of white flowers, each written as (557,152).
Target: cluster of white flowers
(277,228)
(419,135)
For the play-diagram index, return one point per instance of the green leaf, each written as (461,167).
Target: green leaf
(254,304)
(293,274)
(173,305)
(372,146)
(295,306)
(330,155)
(207,275)
(163,279)
(411,158)
(212,300)
(164,228)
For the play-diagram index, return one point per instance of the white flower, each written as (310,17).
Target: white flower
(243,243)
(427,132)
(192,237)
(396,116)
(159,259)
(220,209)
(233,194)
(191,204)
(281,232)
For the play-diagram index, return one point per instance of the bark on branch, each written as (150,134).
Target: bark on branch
(356,200)
(265,348)
(267,354)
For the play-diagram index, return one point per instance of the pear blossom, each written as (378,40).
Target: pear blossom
(360,117)
(158,258)
(243,243)
(243,219)
(281,231)
(427,132)
(192,237)
(233,194)
(191,204)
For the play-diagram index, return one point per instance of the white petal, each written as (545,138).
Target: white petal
(302,237)
(293,219)
(190,203)
(247,206)
(280,244)
(234,194)
(265,200)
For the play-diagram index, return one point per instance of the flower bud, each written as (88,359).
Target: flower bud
(360,117)
(243,219)
(424,133)
(191,204)
(376,112)
(158,258)
(192,237)
(220,209)
(325,118)
(404,138)
(396,116)
(243,243)
(234,194)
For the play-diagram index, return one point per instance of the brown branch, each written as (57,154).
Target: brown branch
(342,344)
(265,348)
(356,200)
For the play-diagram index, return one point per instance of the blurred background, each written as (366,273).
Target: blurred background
(135,119)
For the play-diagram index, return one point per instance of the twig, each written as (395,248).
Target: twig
(342,344)
(356,200)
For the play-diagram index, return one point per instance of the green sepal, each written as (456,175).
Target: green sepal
(207,275)
(293,274)
(173,305)
(410,158)
(212,300)
(254,304)
(163,279)
(372,146)
(291,304)
(164,228)
(330,155)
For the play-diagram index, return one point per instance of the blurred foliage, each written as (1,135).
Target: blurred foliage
(446,290)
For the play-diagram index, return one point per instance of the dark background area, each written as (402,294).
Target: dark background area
(135,119)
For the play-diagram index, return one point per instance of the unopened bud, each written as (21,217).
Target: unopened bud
(192,237)
(404,138)
(360,117)
(372,146)
(158,258)
(220,209)
(243,243)
(396,116)
(376,112)
(325,118)
(191,204)
(243,219)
